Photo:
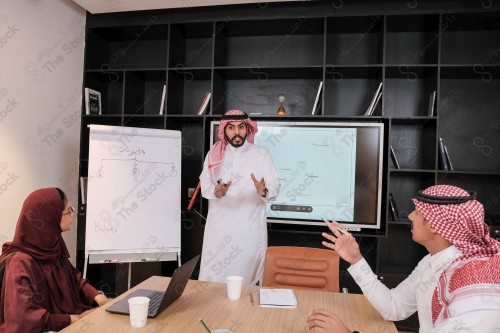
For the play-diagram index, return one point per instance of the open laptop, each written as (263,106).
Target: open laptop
(160,300)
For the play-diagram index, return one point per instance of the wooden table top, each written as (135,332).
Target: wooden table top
(208,301)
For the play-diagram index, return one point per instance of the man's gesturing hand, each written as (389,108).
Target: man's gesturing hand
(344,244)
(260,185)
(221,189)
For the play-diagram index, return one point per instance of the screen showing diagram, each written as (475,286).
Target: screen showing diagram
(316,171)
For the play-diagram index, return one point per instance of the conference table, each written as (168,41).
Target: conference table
(208,301)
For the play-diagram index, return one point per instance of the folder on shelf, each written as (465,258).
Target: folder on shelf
(204,104)
(432,102)
(93,104)
(317,102)
(393,208)
(375,99)
(447,156)
(442,156)
(394,159)
(162,104)
(376,103)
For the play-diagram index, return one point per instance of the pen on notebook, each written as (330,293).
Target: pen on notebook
(251,297)
(203,323)
(339,229)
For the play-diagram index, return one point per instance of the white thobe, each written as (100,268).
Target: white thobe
(235,238)
(415,294)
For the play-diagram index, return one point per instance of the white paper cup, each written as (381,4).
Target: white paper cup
(138,308)
(234,283)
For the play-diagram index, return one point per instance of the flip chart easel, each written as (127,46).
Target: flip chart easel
(133,199)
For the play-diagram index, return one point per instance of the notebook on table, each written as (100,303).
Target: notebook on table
(160,300)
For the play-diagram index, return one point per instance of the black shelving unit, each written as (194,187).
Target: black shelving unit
(248,55)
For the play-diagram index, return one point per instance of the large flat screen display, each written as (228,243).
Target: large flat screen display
(328,170)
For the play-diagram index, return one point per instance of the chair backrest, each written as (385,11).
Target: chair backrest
(301,268)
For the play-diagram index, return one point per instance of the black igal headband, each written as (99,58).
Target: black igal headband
(234,116)
(437,200)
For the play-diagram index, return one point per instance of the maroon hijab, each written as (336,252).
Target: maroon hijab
(38,230)
(38,234)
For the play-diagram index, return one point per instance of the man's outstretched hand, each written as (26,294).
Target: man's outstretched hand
(344,244)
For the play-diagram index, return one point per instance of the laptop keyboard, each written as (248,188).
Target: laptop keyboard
(154,302)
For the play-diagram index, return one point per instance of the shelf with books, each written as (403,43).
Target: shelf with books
(355,40)
(473,146)
(349,91)
(414,143)
(110,85)
(143,91)
(403,187)
(407,90)
(186,89)
(257,90)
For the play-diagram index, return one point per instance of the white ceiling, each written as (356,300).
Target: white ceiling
(111,6)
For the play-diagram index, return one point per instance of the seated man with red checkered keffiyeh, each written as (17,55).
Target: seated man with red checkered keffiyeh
(456,288)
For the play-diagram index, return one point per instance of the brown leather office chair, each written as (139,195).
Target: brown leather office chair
(301,268)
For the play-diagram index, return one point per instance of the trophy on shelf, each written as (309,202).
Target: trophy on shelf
(281,110)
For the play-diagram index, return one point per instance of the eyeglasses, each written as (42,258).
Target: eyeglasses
(71,210)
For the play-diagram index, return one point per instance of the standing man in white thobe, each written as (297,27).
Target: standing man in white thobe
(238,179)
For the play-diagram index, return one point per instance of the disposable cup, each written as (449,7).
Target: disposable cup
(138,308)
(234,283)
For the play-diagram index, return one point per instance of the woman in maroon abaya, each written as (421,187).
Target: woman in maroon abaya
(40,289)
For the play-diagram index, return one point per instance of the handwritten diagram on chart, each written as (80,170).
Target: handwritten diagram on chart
(317,171)
(134,191)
